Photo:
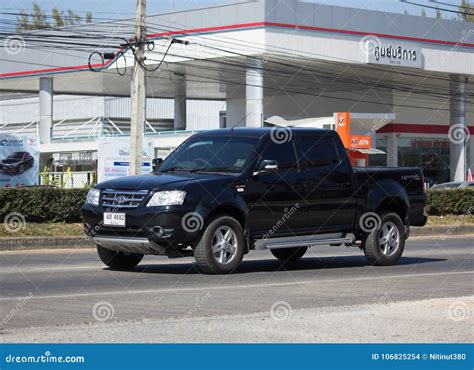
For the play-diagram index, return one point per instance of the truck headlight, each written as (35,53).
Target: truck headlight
(93,197)
(167,198)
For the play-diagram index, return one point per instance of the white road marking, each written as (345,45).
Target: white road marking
(243,286)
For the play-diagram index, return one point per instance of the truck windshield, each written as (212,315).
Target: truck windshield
(218,153)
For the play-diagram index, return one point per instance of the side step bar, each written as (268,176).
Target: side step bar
(304,241)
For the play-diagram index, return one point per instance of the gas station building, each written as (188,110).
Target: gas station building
(252,63)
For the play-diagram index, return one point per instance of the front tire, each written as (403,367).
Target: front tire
(221,247)
(384,246)
(289,254)
(118,260)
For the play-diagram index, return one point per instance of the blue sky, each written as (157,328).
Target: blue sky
(123,8)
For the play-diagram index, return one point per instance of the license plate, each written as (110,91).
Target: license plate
(114,219)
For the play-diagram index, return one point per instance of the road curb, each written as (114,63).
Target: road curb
(81,242)
(442,231)
(72,242)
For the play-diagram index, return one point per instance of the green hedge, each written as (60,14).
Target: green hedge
(43,204)
(450,201)
(50,204)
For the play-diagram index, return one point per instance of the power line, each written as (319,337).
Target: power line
(437,8)
(452,5)
(281,74)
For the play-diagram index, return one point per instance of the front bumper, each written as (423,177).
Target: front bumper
(148,230)
(130,245)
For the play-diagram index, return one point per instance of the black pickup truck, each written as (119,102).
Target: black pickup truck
(225,192)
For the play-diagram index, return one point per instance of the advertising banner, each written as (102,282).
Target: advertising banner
(19,160)
(114,157)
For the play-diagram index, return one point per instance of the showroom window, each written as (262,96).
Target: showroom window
(431,154)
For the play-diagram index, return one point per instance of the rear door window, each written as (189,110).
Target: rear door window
(314,152)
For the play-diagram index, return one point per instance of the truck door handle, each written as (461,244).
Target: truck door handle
(343,184)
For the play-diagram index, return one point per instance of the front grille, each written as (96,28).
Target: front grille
(123,198)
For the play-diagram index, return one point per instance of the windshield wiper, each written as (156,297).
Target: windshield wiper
(212,169)
(175,168)
(197,169)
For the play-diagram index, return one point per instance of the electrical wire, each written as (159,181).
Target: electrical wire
(242,67)
(437,8)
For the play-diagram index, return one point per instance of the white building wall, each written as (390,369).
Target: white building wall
(15,113)
(293,106)
(436,114)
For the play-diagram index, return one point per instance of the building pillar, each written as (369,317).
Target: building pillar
(471,154)
(392,150)
(180,107)
(458,127)
(254,94)
(45,109)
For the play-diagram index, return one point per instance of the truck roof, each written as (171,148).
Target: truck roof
(259,132)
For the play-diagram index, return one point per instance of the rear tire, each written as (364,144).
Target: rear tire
(221,247)
(118,260)
(384,245)
(289,254)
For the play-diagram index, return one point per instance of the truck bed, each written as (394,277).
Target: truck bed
(411,178)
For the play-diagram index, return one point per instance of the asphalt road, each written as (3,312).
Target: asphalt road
(63,287)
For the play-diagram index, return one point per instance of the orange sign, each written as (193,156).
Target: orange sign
(360,141)
(343,128)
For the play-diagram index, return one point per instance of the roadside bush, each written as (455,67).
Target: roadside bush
(43,204)
(52,204)
(450,201)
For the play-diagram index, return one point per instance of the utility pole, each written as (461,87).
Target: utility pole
(138,92)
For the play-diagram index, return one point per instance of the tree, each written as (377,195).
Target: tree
(439,15)
(466,11)
(423,12)
(23,21)
(37,19)
(58,17)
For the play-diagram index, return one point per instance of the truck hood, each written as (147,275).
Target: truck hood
(152,181)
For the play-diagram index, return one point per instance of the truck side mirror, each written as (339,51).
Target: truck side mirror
(155,163)
(267,166)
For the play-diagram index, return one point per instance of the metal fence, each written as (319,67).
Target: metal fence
(68,180)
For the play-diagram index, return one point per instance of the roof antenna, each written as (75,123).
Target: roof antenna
(235,124)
